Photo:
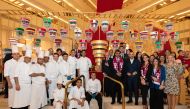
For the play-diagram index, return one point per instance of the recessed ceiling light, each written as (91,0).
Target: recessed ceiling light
(21,4)
(161,4)
(17,2)
(165,3)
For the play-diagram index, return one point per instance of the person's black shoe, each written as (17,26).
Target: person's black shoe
(136,103)
(119,102)
(113,102)
(130,101)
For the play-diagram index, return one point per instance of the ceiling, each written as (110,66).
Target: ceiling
(84,10)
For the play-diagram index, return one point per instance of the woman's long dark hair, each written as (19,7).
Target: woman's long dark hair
(136,57)
(143,62)
(159,65)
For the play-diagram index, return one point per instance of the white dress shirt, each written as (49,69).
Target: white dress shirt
(77,93)
(84,63)
(73,64)
(93,86)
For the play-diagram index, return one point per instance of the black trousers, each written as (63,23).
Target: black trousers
(156,99)
(116,89)
(21,108)
(132,83)
(98,98)
(107,88)
(144,92)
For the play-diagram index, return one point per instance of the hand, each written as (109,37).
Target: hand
(118,74)
(154,78)
(161,87)
(82,103)
(17,87)
(49,81)
(143,82)
(10,85)
(79,102)
(128,74)
(134,73)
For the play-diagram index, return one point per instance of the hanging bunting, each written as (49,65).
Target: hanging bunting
(120,34)
(83,44)
(169,26)
(144,35)
(13,41)
(163,36)
(78,33)
(125,24)
(52,33)
(115,44)
(63,33)
(94,25)
(89,34)
(25,22)
(19,32)
(30,32)
(57,43)
(47,22)
(73,23)
(139,45)
(149,26)
(174,36)
(37,42)
(154,35)
(134,35)
(41,32)
(178,45)
(105,26)
(109,35)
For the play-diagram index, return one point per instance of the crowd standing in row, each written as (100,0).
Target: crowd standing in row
(34,81)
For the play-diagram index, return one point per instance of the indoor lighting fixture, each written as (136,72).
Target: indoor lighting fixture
(21,4)
(171,17)
(92,3)
(150,5)
(161,4)
(160,20)
(27,2)
(183,12)
(17,2)
(75,8)
(181,17)
(11,0)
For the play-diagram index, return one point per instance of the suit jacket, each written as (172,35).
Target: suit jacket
(132,67)
(107,69)
(149,74)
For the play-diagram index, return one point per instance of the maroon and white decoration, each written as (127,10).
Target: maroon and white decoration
(115,44)
(154,35)
(63,33)
(163,36)
(52,33)
(134,34)
(30,32)
(139,45)
(25,22)
(174,36)
(109,35)
(89,34)
(94,25)
(83,44)
(41,32)
(105,26)
(144,35)
(57,43)
(120,34)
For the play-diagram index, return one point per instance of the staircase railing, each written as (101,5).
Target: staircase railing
(67,86)
(122,88)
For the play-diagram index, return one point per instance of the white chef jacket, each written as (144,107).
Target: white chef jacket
(73,64)
(60,59)
(22,97)
(38,95)
(58,95)
(78,93)
(9,70)
(52,72)
(83,64)
(21,59)
(64,70)
(93,86)
(51,58)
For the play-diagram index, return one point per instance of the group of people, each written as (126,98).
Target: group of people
(33,82)
(151,76)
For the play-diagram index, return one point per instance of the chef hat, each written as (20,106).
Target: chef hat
(59,80)
(41,54)
(14,49)
(46,54)
(28,53)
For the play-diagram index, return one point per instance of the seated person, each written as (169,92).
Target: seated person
(93,90)
(58,95)
(77,97)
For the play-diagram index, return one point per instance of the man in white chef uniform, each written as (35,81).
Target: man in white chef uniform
(9,71)
(77,97)
(58,95)
(83,65)
(23,82)
(23,53)
(46,57)
(64,69)
(73,63)
(38,95)
(52,72)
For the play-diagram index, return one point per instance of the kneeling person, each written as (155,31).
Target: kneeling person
(93,90)
(77,97)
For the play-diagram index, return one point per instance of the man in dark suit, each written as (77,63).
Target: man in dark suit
(132,73)
(123,52)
